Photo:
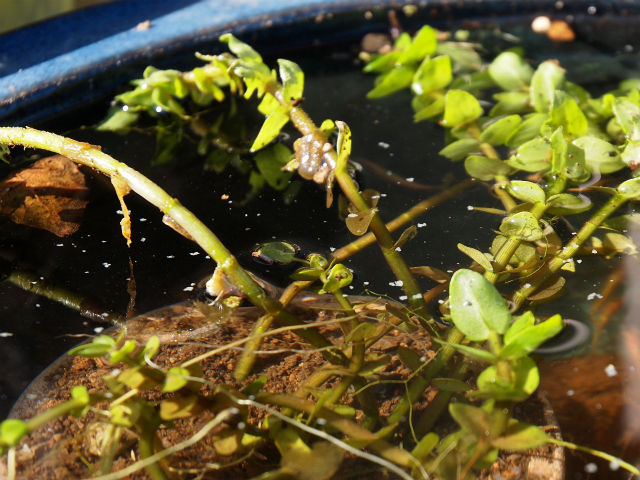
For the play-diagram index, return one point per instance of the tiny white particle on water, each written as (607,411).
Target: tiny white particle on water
(416,296)
(402,297)
(527,285)
(449,271)
(106,264)
(420,225)
(352,215)
(579,260)
(469,207)
(365,283)
(103,241)
(614,465)
(98,329)
(142,219)
(384,145)
(171,256)
(37,305)
(193,254)
(188,289)
(593,295)
(119,212)
(240,426)
(397,283)
(592,10)
(6,334)
(83,251)
(570,393)
(610,370)
(59,244)
(440,302)
(594,251)
(333,249)
(158,109)
(591,467)
(398,249)
(321,421)
(247,229)
(86,272)
(125,108)
(383,195)
(143,239)
(423,359)
(410,179)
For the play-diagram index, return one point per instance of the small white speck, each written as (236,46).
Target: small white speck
(119,212)
(321,421)
(83,251)
(59,244)
(397,283)
(193,254)
(143,219)
(247,229)
(106,264)
(171,256)
(384,145)
(352,215)
(527,285)
(143,239)
(383,195)
(592,10)
(6,334)
(410,179)
(420,225)
(469,207)
(423,359)
(37,305)
(333,249)
(398,249)
(86,272)
(188,289)
(579,260)
(614,465)
(402,297)
(440,301)
(365,283)
(593,295)
(98,329)
(158,109)
(610,370)
(594,251)
(570,393)
(416,296)
(591,467)
(103,241)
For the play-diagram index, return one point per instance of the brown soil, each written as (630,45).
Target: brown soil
(67,446)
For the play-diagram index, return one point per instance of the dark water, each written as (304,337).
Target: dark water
(95,262)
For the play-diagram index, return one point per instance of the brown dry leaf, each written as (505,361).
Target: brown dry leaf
(51,194)
(560,31)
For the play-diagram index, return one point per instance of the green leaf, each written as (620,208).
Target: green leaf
(528,130)
(630,188)
(281,253)
(450,385)
(509,103)
(338,277)
(433,74)
(463,56)
(119,120)
(123,352)
(526,340)
(510,71)
(522,225)
(424,44)
(459,149)
(11,431)
(270,162)
(241,49)
(627,113)
(99,347)
(476,306)
(425,446)
(472,419)
(532,156)
(81,396)
(477,354)
(477,256)
(599,155)
(547,78)
(567,204)
(382,63)
(524,380)
(151,347)
(271,127)
(358,223)
(429,110)
(485,168)
(524,321)
(500,131)
(460,107)
(527,191)
(397,79)
(317,463)
(175,379)
(520,436)
(567,114)
(292,79)
(631,154)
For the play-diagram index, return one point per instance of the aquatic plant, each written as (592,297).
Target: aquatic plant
(543,124)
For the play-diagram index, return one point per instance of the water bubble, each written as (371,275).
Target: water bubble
(591,467)
(592,10)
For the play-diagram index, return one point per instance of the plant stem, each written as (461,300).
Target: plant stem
(569,250)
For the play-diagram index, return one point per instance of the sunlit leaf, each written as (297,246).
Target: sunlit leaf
(527,191)
(270,129)
(524,321)
(281,253)
(549,289)
(528,129)
(568,204)
(119,120)
(476,306)
(358,223)
(522,225)
(526,340)
(433,74)
(338,277)
(180,407)
(547,78)
(510,71)
(509,103)
(630,188)
(524,380)
(473,419)
(397,79)
(532,156)
(424,43)
(425,446)
(432,108)
(175,379)
(460,107)
(520,436)
(99,347)
(477,256)
(11,431)
(474,353)
(318,463)
(627,113)
(270,163)
(600,155)
(292,79)
(500,130)
(459,149)
(567,114)
(485,168)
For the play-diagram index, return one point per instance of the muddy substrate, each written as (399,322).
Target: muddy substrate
(69,447)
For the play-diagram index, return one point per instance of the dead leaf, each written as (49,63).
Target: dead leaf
(51,195)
